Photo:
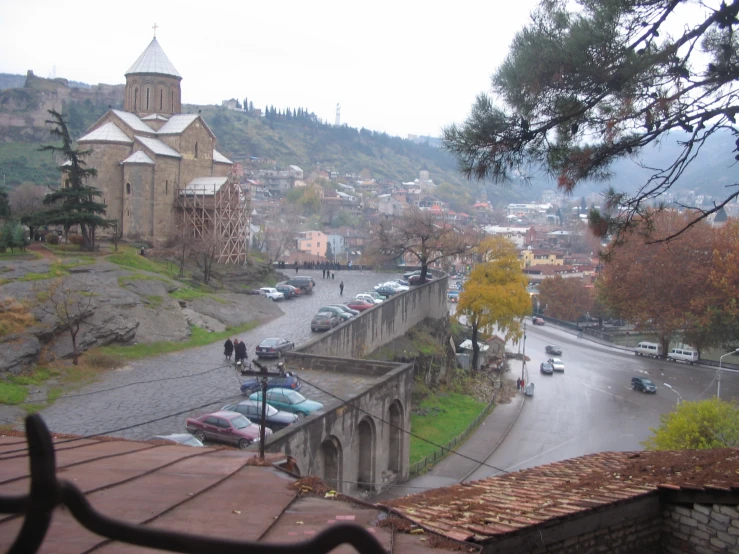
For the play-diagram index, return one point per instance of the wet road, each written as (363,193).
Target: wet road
(156,395)
(591,407)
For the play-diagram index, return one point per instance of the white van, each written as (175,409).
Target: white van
(649,349)
(683,354)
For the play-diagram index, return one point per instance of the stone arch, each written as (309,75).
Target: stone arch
(395,437)
(366,454)
(332,460)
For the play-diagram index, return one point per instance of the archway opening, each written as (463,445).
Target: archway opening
(331,457)
(395,448)
(366,455)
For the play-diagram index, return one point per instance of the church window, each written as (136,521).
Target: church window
(147,98)
(161,99)
(135,99)
(128,212)
(128,188)
(166,188)
(171,107)
(196,150)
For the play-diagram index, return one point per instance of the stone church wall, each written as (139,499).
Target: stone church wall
(138,200)
(106,158)
(192,167)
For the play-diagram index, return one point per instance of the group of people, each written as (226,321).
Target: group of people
(235,348)
(328,274)
(520,385)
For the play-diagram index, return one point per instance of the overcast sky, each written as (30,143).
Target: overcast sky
(403,67)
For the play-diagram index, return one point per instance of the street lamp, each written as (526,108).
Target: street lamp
(720,360)
(679,398)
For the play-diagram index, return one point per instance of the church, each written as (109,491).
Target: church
(159,168)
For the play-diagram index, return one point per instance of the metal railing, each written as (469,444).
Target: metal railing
(48,493)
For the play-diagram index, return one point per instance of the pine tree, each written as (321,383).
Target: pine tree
(74,203)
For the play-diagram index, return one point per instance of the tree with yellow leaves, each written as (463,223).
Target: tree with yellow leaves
(495,293)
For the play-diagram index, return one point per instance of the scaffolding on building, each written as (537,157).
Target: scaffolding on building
(216,209)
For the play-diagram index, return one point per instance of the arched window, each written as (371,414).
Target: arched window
(171,103)
(166,188)
(128,188)
(196,150)
(147,98)
(161,99)
(135,99)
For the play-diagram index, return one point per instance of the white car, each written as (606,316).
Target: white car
(396,286)
(369,298)
(557,364)
(274,294)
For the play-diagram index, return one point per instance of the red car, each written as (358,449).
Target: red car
(230,427)
(359,305)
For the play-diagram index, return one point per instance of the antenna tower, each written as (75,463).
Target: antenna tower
(52,73)
(338,114)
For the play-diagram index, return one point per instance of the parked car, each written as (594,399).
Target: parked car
(397,286)
(305,284)
(643,384)
(553,350)
(385,291)
(275,419)
(324,321)
(371,296)
(344,315)
(416,279)
(185,439)
(273,347)
(402,282)
(286,381)
(546,368)
(410,274)
(360,305)
(272,293)
(289,401)
(345,308)
(229,427)
(288,291)
(538,321)
(556,363)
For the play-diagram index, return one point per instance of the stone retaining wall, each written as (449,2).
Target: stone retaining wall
(701,528)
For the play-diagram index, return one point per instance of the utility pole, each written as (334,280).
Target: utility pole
(523,359)
(263,373)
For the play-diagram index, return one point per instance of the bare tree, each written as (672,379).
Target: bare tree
(70,304)
(208,249)
(421,234)
(26,201)
(281,233)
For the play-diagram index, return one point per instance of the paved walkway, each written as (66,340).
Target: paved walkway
(477,448)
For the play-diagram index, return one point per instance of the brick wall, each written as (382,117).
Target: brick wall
(700,528)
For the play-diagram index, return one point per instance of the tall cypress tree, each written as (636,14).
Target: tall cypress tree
(74,203)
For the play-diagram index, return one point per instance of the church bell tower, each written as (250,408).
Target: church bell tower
(153,84)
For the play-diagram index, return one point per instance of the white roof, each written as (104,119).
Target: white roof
(177,124)
(153,60)
(158,147)
(204,186)
(295,168)
(133,121)
(109,132)
(220,158)
(155,117)
(467,345)
(138,157)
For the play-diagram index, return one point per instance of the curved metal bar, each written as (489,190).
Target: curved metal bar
(47,493)
(44,494)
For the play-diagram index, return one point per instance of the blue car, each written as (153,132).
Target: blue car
(287,381)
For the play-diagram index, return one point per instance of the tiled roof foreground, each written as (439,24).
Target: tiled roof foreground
(506,503)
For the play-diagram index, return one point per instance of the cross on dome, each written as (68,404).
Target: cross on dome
(155,27)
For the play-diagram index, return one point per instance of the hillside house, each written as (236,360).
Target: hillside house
(312,243)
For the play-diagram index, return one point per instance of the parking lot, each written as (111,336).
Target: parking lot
(156,395)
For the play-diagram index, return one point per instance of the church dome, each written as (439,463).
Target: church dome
(153,60)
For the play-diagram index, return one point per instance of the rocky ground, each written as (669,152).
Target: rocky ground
(118,304)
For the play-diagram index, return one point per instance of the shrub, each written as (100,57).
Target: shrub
(14,316)
(75,239)
(101,360)
(52,238)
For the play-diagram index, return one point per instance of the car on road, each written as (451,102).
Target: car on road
(452,295)
(185,439)
(360,305)
(273,347)
(289,401)
(385,291)
(324,321)
(643,384)
(288,291)
(343,314)
(275,419)
(553,350)
(228,427)
(286,381)
(546,368)
(371,296)
(538,321)
(272,293)
(556,363)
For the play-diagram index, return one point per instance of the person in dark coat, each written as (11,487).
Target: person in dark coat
(228,349)
(341,288)
(240,352)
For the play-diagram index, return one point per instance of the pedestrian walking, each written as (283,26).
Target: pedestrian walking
(240,351)
(341,288)
(333,275)
(523,386)
(296,268)
(518,384)
(228,349)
